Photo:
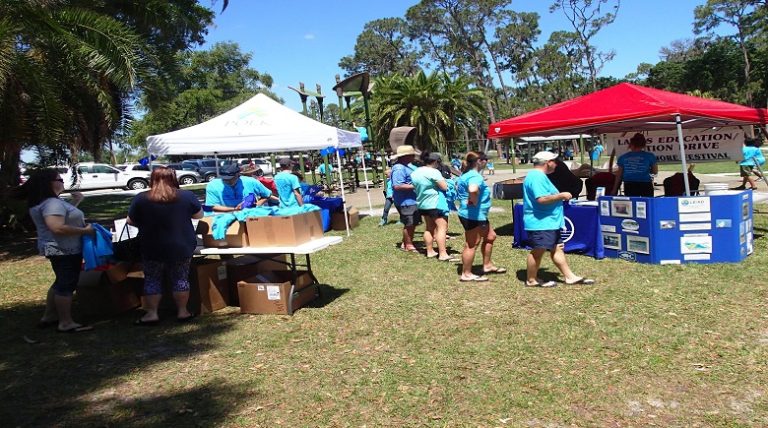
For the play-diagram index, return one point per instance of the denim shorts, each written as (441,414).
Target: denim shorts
(67,271)
(546,239)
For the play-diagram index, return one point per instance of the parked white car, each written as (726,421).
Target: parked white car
(184,176)
(90,175)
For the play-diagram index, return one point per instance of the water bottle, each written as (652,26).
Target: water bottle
(600,191)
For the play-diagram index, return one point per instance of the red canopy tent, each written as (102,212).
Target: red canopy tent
(627,107)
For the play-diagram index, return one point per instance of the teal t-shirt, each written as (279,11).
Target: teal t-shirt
(538,216)
(479,211)
(636,166)
(428,195)
(752,154)
(219,193)
(286,183)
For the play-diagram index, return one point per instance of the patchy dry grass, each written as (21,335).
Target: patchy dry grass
(397,341)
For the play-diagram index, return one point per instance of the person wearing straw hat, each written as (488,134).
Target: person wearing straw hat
(404,194)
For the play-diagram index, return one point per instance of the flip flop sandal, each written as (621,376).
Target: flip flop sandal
(432,256)
(150,323)
(547,284)
(474,278)
(79,329)
(186,319)
(451,260)
(409,250)
(582,281)
(496,270)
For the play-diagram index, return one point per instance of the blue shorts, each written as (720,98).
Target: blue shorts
(546,239)
(67,271)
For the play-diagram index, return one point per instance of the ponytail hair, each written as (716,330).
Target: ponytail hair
(470,161)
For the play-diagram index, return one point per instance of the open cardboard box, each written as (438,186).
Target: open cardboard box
(337,219)
(284,231)
(274,293)
(242,268)
(236,235)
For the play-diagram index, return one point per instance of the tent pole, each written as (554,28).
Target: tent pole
(216,158)
(343,198)
(681,143)
(367,188)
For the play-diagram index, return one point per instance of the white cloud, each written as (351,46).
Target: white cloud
(309,36)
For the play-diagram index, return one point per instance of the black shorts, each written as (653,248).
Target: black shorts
(546,239)
(746,170)
(638,188)
(471,224)
(434,213)
(409,215)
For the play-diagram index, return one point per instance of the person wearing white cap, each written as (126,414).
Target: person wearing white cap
(405,195)
(544,219)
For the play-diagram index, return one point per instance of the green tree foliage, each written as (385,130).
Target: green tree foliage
(436,105)
(382,48)
(63,73)
(747,17)
(211,82)
(588,17)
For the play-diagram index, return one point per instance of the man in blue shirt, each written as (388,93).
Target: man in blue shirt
(288,185)
(226,193)
(597,150)
(404,194)
(543,218)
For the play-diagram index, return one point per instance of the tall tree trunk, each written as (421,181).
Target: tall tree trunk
(9,165)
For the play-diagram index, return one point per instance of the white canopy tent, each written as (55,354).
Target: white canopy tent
(259,125)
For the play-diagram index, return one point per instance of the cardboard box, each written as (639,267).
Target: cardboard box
(284,231)
(209,288)
(236,235)
(242,268)
(98,296)
(337,219)
(275,294)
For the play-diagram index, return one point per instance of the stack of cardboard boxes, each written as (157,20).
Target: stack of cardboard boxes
(267,283)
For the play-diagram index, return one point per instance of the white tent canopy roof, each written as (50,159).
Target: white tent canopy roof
(258,125)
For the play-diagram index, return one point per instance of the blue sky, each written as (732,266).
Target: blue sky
(303,40)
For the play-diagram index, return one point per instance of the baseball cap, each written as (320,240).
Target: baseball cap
(285,162)
(434,156)
(229,171)
(544,156)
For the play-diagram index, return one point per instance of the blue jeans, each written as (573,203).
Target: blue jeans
(67,271)
(387,206)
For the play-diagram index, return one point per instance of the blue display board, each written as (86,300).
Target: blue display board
(674,230)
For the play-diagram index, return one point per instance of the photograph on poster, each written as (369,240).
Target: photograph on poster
(640,210)
(694,244)
(667,224)
(612,241)
(745,210)
(638,244)
(605,209)
(723,223)
(621,208)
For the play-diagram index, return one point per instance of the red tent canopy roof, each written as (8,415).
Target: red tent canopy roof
(626,107)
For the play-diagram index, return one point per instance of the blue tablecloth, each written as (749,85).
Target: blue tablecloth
(330,204)
(582,230)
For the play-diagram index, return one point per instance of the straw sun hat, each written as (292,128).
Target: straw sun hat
(404,151)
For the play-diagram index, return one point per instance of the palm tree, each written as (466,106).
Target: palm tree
(436,105)
(63,75)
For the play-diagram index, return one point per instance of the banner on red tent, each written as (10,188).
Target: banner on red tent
(701,145)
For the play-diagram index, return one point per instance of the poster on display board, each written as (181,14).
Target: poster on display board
(700,144)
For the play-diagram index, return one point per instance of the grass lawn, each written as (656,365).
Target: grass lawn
(396,341)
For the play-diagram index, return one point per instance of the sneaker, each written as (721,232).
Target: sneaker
(382,223)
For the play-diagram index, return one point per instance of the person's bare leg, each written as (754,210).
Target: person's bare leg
(751,181)
(532,263)
(64,309)
(50,307)
(151,303)
(429,236)
(181,298)
(472,238)
(441,232)
(487,249)
(558,258)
